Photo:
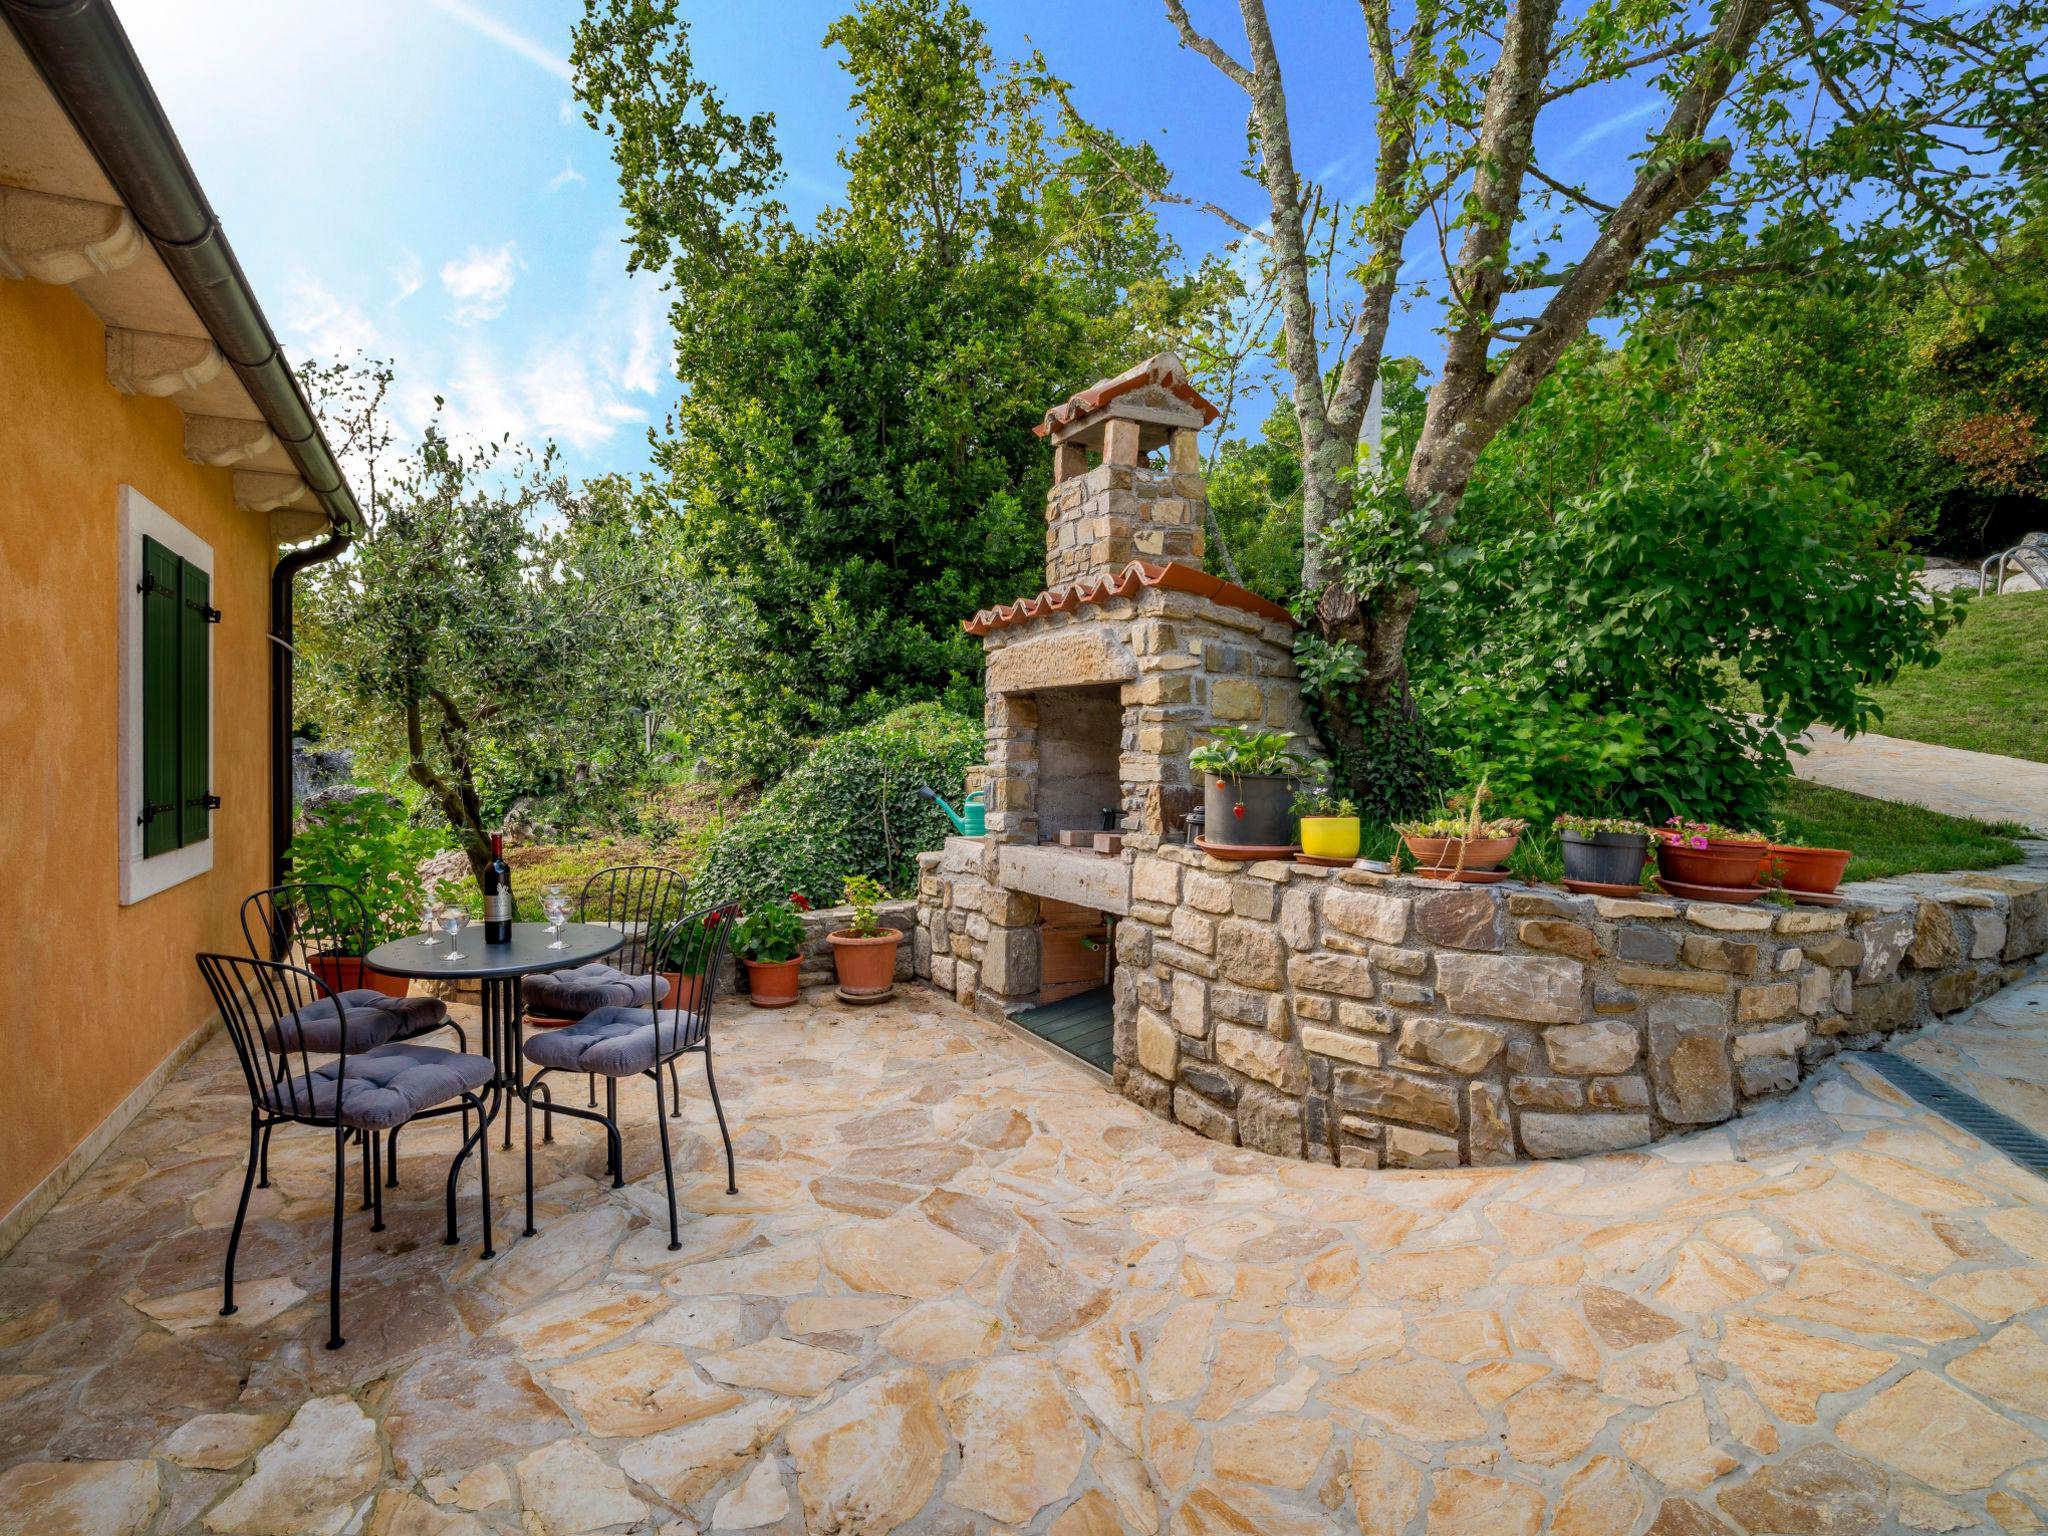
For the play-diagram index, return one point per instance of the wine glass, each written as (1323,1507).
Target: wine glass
(430,914)
(557,909)
(451,919)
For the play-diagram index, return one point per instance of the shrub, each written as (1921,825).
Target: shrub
(365,844)
(851,808)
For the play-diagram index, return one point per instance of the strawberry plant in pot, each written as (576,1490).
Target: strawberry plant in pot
(1702,853)
(1329,821)
(1462,838)
(864,954)
(1248,782)
(1603,850)
(770,942)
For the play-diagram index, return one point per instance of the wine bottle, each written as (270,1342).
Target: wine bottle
(498,895)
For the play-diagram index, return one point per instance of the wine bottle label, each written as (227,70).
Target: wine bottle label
(498,907)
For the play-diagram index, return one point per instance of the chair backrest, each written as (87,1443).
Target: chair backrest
(696,945)
(637,899)
(296,922)
(255,998)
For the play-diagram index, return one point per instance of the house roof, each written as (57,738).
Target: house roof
(1127,582)
(1163,370)
(96,194)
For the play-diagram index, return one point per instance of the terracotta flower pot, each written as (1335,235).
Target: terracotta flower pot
(772,983)
(1815,870)
(684,992)
(1443,852)
(866,962)
(347,973)
(1732,866)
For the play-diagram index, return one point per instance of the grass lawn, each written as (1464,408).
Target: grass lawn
(1987,695)
(1888,839)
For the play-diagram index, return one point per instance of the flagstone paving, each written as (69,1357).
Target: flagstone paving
(963,1288)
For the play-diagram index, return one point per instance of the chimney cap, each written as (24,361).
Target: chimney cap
(1155,393)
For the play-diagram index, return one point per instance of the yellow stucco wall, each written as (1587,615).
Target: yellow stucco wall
(97,994)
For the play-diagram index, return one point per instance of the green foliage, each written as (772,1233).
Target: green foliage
(1587,647)
(1595,826)
(771,933)
(1238,750)
(366,844)
(850,808)
(1315,795)
(851,466)
(685,945)
(863,893)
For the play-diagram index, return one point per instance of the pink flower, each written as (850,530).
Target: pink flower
(1699,842)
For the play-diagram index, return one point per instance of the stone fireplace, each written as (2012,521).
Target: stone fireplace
(1350,1016)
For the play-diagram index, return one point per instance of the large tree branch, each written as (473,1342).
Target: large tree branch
(1207,47)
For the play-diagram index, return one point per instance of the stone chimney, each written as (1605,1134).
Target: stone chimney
(1110,502)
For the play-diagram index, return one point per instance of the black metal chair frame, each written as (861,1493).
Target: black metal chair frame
(714,924)
(632,899)
(251,991)
(296,915)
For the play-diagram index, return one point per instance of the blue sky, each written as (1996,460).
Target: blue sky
(409,177)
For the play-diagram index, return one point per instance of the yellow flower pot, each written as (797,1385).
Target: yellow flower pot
(1329,837)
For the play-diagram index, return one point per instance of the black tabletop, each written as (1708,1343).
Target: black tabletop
(527,952)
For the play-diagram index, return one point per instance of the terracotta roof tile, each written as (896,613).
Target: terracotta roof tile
(1163,369)
(1125,583)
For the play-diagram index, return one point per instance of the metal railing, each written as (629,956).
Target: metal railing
(2029,555)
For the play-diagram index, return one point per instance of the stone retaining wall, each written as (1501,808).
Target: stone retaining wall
(1350,1017)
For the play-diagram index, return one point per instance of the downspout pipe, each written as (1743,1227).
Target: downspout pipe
(84,55)
(281,693)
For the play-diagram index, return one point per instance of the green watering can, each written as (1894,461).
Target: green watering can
(974,823)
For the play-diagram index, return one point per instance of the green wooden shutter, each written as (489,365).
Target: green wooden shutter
(195,780)
(161,607)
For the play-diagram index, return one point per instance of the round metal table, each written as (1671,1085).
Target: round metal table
(499,967)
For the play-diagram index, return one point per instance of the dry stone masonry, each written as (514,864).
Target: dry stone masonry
(1371,1021)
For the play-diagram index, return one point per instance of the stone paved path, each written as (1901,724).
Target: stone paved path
(967,1290)
(1981,785)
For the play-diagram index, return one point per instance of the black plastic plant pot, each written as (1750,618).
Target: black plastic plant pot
(1604,858)
(1249,811)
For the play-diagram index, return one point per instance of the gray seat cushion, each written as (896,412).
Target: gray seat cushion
(374,1019)
(315,1027)
(615,1042)
(584,989)
(385,1087)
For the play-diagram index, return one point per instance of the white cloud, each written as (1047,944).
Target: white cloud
(320,323)
(407,277)
(565,113)
(485,25)
(480,282)
(1612,125)
(564,177)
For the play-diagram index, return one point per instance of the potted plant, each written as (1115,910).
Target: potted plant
(864,953)
(770,941)
(1247,787)
(1461,838)
(1603,850)
(363,844)
(682,954)
(1329,821)
(1703,853)
(1810,871)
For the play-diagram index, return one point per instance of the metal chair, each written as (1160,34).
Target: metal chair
(315,924)
(632,898)
(359,1091)
(615,1043)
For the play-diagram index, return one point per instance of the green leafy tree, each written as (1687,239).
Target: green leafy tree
(1791,138)
(851,462)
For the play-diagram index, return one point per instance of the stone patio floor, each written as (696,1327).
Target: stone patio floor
(964,1289)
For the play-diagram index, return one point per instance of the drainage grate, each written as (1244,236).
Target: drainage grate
(1963,1109)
